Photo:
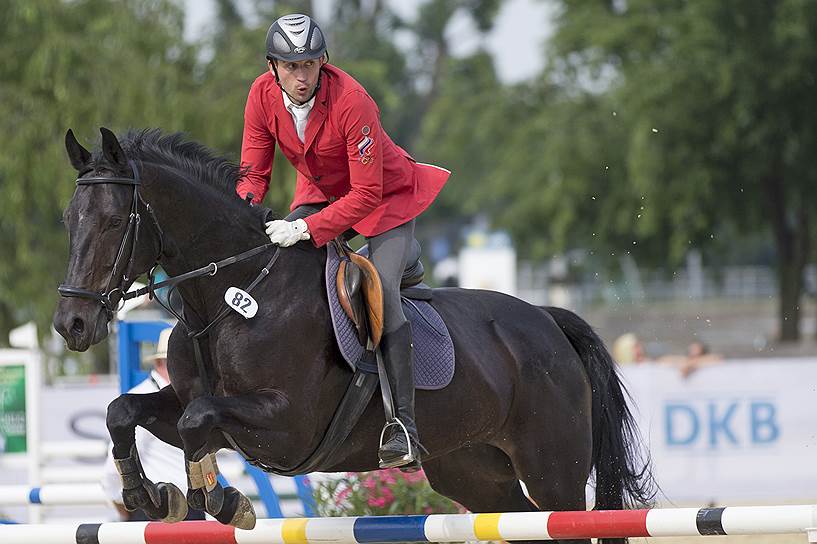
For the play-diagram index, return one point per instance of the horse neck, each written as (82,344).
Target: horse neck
(199,226)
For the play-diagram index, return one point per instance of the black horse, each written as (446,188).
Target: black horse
(535,396)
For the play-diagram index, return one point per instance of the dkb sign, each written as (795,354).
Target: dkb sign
(716,424)
(739,431)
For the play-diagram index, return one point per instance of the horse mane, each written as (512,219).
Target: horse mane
(200,163)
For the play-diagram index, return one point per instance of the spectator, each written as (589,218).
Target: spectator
(697,357)
(161,462)
(628,349)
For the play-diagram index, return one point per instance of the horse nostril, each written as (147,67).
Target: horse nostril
(78,326)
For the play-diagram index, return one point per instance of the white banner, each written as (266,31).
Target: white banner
(736,433)
(742,431)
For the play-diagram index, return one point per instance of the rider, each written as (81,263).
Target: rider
(349,175)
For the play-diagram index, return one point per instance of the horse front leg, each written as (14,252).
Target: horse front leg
(246,418)
(158,413)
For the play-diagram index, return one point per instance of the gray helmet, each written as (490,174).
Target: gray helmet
(294,38)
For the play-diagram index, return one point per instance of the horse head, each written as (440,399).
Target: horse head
(106,221)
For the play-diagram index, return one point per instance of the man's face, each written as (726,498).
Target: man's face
(695,349)
(161,367)
(299,79)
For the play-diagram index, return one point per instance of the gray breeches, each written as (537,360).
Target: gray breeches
(389,253)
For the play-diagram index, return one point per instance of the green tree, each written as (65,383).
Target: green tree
(77,64)
(432,53)
(362,43)
(464,130)
(712,100)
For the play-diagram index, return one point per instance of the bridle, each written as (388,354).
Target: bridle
(106,298)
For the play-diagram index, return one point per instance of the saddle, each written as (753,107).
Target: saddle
(360,292)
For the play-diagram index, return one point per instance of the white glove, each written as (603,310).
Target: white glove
(285,233)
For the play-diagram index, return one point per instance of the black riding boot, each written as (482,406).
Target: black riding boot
(398,358)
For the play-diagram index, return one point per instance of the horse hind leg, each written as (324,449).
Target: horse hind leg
(480,478)
(484,478)
(158,413)
(555,474)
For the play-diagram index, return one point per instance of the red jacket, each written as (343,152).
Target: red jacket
(347,159)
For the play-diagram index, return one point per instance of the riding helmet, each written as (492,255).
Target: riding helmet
(294,38)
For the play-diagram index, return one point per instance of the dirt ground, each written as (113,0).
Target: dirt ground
(752,539)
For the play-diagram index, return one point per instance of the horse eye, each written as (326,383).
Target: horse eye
(115,221)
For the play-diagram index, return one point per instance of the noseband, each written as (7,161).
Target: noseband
(106,298)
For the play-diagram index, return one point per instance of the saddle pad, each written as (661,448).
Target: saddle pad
(433,347)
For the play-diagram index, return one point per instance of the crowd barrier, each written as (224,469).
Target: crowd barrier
(745,520)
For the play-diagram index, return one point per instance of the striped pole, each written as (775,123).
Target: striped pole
(438,528)
(51,475)
(52,495)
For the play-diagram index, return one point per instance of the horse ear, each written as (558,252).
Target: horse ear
(78,155)
(111,149)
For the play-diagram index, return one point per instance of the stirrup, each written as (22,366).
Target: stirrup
(400,461)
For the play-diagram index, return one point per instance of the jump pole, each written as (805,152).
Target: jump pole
(53,495)
(739,520)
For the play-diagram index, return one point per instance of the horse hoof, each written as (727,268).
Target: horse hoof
(244,515)
(134,498)
(195,499)
(176,503)
(214,500)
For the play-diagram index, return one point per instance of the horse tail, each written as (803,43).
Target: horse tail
(623,469)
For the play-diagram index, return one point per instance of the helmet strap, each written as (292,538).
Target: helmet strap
(274,70)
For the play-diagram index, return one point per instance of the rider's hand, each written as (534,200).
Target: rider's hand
(285,233)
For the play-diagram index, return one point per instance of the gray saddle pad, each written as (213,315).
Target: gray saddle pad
(433,347)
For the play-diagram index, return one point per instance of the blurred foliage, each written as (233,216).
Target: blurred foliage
(714,134)
(381,493)
(656,126)
(80,64)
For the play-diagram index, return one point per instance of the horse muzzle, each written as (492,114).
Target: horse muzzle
(82,323)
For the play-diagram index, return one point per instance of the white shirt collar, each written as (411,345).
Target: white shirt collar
(160,381)
(289,104)
(299,114)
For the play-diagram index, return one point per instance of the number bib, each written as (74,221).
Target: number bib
(241,301)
